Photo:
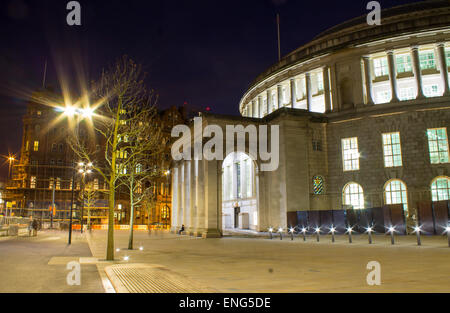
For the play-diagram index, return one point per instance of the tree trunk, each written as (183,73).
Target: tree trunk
(130,238)
(110,243)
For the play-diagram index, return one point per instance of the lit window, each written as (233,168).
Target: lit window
(238,180)
(264,108)
(27,146)
(407,93)
(392,150)
(403,62)
(50,185)
(248,177)
(426,59)
(395,193)
(447,56)
(431,91)
(438,145)
(350,154)
(380,66)
(33,182)
(383,96)
(58,183)
(138,168)
(353,195)
(319,82)
(96,184)
(36,146)
(440,189)
(139,187)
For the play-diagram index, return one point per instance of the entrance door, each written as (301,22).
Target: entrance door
(237,210)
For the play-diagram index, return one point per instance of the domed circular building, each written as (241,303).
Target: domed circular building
(363,112)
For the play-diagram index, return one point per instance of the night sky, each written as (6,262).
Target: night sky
(205,53)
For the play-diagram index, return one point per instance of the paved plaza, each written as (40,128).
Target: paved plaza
(233,264)
(172,263)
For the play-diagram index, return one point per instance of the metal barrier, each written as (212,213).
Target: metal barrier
(13,226)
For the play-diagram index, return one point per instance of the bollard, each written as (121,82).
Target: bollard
(349,231)
(369,231)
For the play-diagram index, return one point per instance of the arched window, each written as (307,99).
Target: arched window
(353,195)
(440,188)
(395,193)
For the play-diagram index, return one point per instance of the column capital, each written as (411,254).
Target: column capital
(414,47)
(390,51)
(440,44)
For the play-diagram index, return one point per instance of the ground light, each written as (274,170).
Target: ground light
(369,232)
(417,230)
(392,231)
(349,232)
(332,231)
(126,258)
(447,230)
(317,234)
(117,250)
(141,248)
(270,232)
(304,233)
(280,230)
(291,231)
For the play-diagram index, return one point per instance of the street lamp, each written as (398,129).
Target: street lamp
(332,231)
(304,233)
(280,230)
(291,231)
(318,234)
(417,230)
(11,160)
(369,231)
(392,231)
(70,111)
(270,232)
(349,231)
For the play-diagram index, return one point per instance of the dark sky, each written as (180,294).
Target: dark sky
(199,51)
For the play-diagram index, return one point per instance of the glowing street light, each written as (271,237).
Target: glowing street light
(392,231)
(69,111)
(126,258)
(117,250)
(349,231)
(270,232)
(141,248)
(317,230)
(291,231)
(447,230)
(304,233)
(280,230)
(369,231)
(417,230)
(332,231)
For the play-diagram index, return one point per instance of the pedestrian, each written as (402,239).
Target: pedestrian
(30,226)
(181,229)
(35,225)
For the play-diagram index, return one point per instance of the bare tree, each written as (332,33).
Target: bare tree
(89,197)
(141,149)
(120,90)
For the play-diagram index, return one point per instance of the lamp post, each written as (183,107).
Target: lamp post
(280,230)
(349,231)
(304,233)
(291,231)
(70,111)
(417,230)
(318,234)
(332,231)
(392,231)
(369,232)
(270,232)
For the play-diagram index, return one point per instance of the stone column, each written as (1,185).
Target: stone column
(213,201)
(326,89)
(308,91)
(440,47)
(259,106)
(175,196)
(200,198)
(186,213)
(268,94)
(192,200)
(416,70)
(368,79)
(293,93)
(181,195)
(253,108)
(279,96)
(392,76)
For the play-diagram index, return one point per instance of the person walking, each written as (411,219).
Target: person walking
(181,229)
(35,226)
